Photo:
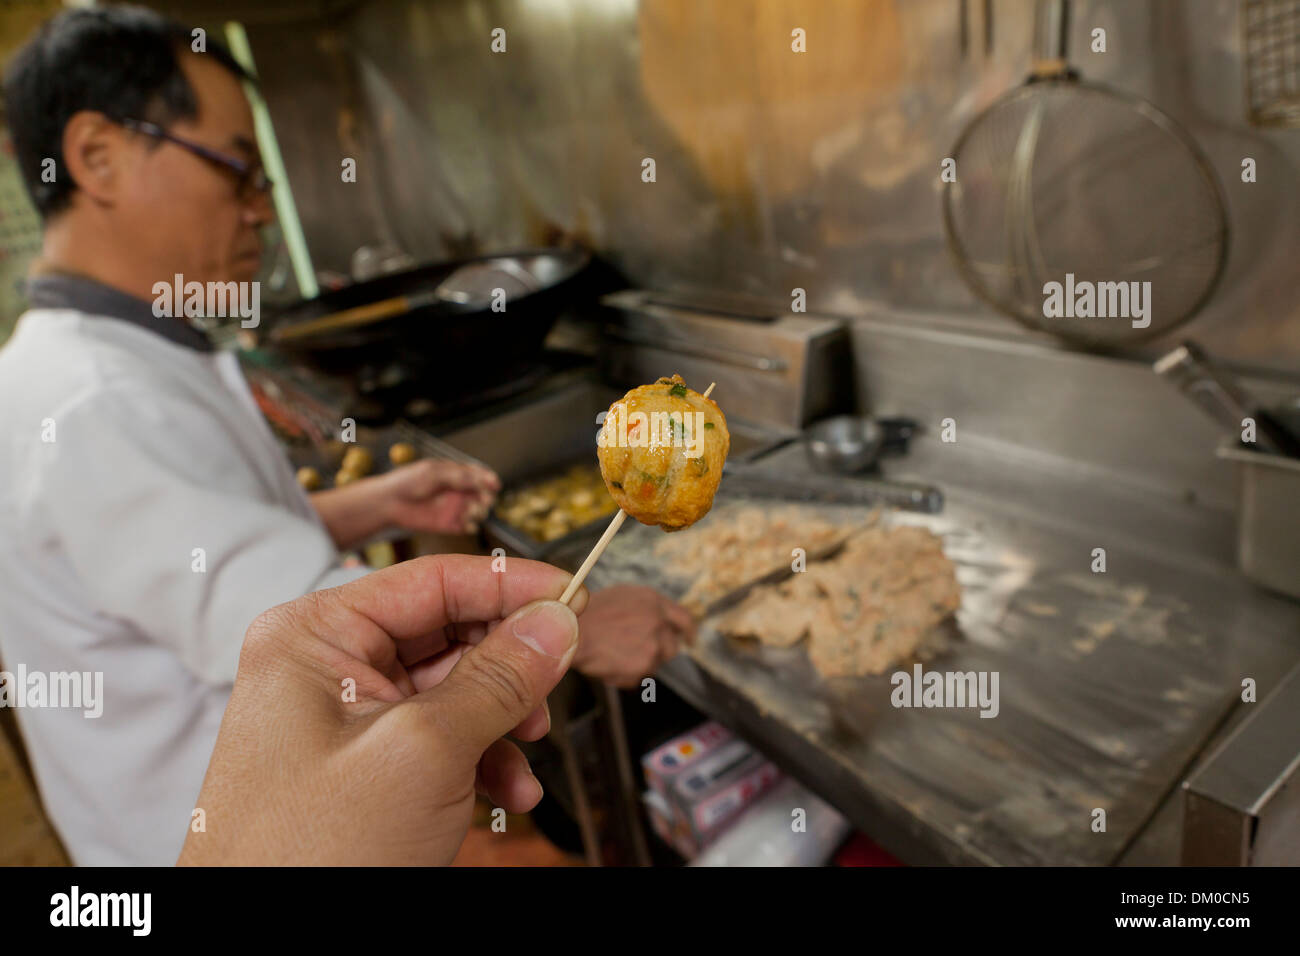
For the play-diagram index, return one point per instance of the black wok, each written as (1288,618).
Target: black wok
(452,334)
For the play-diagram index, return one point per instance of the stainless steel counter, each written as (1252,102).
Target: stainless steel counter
(1111,684)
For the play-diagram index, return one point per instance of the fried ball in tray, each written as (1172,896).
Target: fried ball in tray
(661,451)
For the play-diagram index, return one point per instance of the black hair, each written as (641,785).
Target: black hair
(122,61)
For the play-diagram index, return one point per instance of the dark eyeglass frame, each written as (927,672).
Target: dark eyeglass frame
(251,177)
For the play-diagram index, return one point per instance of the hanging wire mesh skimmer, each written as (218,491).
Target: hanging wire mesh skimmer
(1271,40)
(1065,181)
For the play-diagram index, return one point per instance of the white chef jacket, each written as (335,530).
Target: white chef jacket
(158,450)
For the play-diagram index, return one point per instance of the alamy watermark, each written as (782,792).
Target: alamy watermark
(946,689)
(1098,300)
(622,429)
(74,908)
(71,690)
(209,300)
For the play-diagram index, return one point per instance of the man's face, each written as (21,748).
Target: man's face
(184,213)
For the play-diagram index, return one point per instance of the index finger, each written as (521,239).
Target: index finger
(412,599)
(389,616)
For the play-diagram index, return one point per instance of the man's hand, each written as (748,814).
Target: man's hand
(439,497)
(434,496)
(628,631)
(363,718)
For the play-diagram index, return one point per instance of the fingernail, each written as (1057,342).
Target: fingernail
(549,628)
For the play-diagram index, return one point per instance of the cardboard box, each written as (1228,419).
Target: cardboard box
(713,792)
(700,782)
(667,761)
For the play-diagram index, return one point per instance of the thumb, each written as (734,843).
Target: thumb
(504,678)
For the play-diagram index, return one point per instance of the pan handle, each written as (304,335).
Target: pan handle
(347,319)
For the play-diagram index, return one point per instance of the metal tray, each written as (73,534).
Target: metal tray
(501,533)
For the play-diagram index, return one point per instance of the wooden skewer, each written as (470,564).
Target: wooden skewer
(602,544)
(592,558)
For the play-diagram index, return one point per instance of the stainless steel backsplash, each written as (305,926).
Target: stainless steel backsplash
(774,170)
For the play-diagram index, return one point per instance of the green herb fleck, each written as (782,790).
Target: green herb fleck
(678,391)
(708,424)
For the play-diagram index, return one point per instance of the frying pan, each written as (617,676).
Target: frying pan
(440,315)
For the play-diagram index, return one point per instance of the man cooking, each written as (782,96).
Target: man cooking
(149,514)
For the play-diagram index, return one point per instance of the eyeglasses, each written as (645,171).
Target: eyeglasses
(251,178)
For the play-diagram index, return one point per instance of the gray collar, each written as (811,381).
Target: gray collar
(64,291)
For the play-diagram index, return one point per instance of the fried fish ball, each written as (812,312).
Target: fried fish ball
(309,478)
(345,477)
(661,453)
(358,460)
(401,452)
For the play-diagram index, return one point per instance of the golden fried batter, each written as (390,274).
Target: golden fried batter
(661,453)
